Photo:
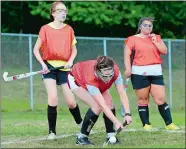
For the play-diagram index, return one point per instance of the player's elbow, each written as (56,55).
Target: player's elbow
(164,51)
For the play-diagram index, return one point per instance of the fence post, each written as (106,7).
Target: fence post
(30,67)
(170,71)
(105,46)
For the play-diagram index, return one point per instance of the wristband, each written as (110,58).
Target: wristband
(129,114)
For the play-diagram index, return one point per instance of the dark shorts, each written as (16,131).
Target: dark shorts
(139,81)
(58,75)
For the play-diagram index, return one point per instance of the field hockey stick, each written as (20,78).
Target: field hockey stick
(127,83)
(25,75)
(115,134)
(122,110)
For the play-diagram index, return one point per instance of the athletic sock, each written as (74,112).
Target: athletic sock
(88,122)
(143,111)
(108,123)
(165,113)
(76,114)
(52,117)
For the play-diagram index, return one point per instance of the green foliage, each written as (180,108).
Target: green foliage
(170,18)
(29,130)
(10,13)
(101,14)
(40,8)
(170,15)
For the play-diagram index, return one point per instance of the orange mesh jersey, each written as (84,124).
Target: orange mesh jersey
(146,53)
(56,43)
(84,74)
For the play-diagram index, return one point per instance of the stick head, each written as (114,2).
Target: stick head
(5,74)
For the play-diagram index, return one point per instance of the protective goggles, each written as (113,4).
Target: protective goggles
(147,25)
(106,75)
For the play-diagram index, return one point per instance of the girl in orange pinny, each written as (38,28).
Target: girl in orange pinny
(90,81)
(58,48)
(146,72)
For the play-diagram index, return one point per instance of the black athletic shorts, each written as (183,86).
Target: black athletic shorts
(140,81)
(58,75)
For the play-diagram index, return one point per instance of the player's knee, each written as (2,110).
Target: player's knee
(72,104)
(97,110)
(143,100)
(159,100)
(52,100)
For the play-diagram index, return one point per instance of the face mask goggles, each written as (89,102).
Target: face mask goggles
(105,77)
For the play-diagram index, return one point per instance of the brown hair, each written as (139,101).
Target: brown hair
(142,20)
(53,7)
(104,62)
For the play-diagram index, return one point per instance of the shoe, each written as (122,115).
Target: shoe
(147,127)
(51,136)
(117,141)
(172,126)
(83,141)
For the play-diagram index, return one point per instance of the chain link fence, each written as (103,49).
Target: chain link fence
(17,57)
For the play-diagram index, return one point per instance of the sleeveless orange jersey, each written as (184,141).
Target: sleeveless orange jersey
(84,74)
(56,43)
(146,53)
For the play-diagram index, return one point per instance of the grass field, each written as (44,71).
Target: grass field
(23,128)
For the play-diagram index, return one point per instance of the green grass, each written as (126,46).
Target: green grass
(18,122)
(32,125)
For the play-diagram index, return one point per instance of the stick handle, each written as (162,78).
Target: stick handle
(127,80)
(124,124)
(55,68)
(60,67)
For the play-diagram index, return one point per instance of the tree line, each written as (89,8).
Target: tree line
(97,18)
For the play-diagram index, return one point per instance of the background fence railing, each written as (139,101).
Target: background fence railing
(17,54)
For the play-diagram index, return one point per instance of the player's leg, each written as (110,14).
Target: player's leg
(108,123)
(158,93)
(141,85)
(84,96)
(49,80)
(143,109)
(50,85)
(90,117)
(62,80)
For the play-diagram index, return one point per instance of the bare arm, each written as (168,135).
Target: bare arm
(127,63)
(123,97)
(36,50)
(161,47)
(74,53)
(127,57)
(38,55)
(72,57)
(125,102)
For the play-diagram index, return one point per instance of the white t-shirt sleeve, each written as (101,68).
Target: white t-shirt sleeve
(93,90)
(119,80)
